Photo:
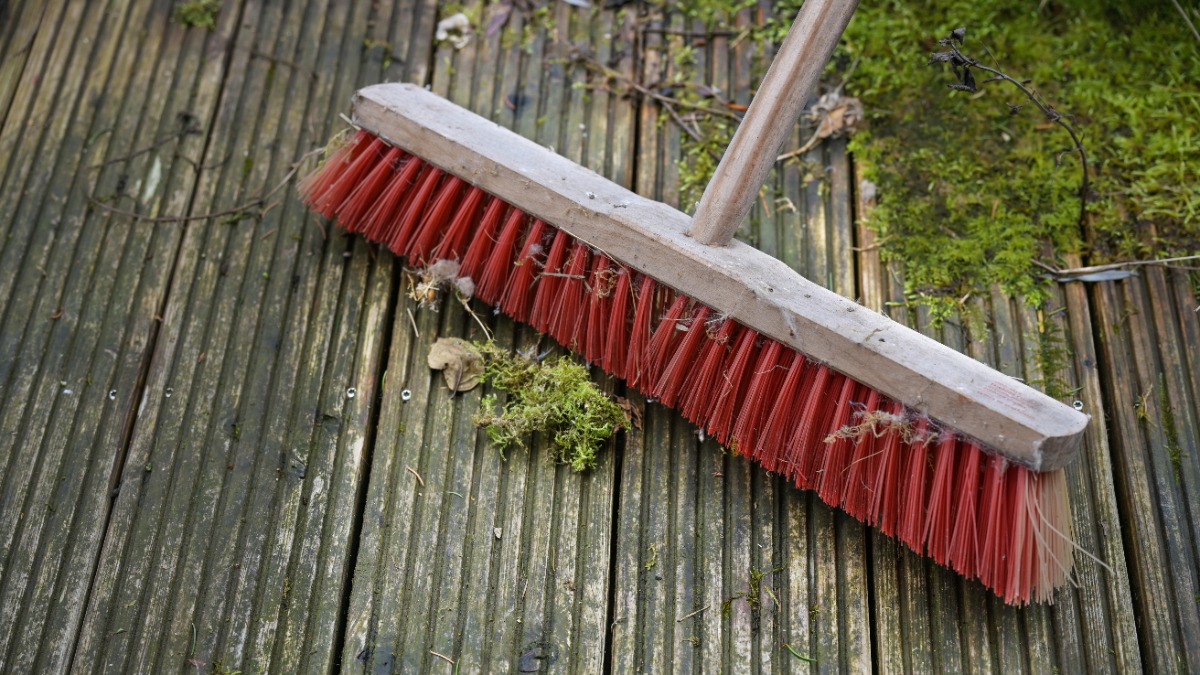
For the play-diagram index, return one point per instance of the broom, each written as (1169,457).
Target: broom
(957,461)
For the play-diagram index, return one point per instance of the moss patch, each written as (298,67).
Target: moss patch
(197,13)
(556,398)
(971,194)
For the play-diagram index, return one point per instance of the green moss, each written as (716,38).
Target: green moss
(970,194)
(1052,358)
(197,13)
(713,13)
(1174,449)
(556,398)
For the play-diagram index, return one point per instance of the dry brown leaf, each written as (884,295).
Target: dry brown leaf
(459,361)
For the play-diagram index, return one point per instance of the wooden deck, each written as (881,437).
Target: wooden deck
(206,463)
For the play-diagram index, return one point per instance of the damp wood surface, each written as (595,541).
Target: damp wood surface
(221,449)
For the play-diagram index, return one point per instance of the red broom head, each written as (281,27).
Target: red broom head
(939,493)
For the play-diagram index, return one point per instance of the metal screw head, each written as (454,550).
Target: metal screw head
(351,392)
(1078,405)
(112,394)
(405,395)
(168,392)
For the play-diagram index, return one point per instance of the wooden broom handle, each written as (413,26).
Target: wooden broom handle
(773,112)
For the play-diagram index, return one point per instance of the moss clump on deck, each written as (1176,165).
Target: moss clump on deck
(197,13)
(556,398)
(970,194)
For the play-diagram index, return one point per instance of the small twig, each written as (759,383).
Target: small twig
(1111,266)
(413,321)
(417,475)
(798,654)
(467,306)
(668,103)
(688,616)
(282,61)
(443,657)
(688,33)
(175,136)
(252,204)
(958,61)
(808,145)
(1186,19)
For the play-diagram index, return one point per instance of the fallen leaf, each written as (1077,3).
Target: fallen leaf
(460,363)
(842,115)
(632,412)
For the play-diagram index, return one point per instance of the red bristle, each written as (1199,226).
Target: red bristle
(568,319)
(438,215)
(617,339)
(491,283)
(462,226)
(783,415)
(350,178)
(519,294)
(885,504)
(480,247)
(973,512)
(683,359)
(993,524)
(1020,542)
(761,393)
(808,439)
(383,218)
(313,187)
(911,527)
(699,389)
(546,292)
(732,384)
(414,210)
(856,492)
(601,280)
(964,544)
(940,518)
(358,204)
(660,347)
(639,334)
(839,449)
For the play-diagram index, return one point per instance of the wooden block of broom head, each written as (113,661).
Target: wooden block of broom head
(738,281)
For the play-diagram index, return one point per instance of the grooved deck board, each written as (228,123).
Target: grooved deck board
(207,462)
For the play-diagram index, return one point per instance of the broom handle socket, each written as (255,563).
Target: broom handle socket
(780,97)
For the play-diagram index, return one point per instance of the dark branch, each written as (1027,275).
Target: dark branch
(962,65)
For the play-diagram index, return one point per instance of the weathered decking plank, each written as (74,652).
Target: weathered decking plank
(230,540)
(20,23)
(75,378)
(1140,321)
